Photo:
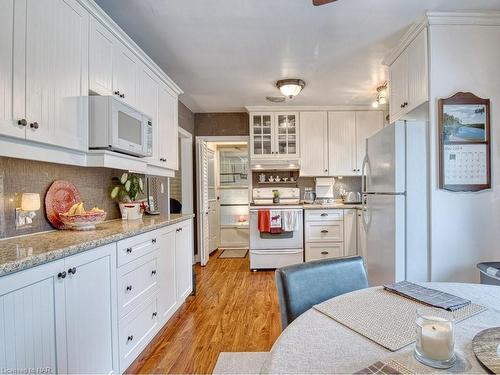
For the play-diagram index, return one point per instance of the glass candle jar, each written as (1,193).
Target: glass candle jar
(435,344)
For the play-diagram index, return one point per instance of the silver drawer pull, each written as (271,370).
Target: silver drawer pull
(324,252)
(128,250)
(130,338)
(128,288)
(323,214)
(153,272)
(324,231)
(153,240)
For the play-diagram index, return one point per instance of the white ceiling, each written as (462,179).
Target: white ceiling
(226,54)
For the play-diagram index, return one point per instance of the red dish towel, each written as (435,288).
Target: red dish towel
(264,221)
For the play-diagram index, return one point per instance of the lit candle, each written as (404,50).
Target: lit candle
(435,338)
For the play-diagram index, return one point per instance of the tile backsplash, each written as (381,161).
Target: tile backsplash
(27,176)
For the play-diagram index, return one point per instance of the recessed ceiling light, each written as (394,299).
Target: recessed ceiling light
(290,87)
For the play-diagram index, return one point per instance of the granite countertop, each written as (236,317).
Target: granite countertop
(19,253)
(316,206)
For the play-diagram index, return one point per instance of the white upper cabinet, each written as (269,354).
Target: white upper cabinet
(101,46)
(8,123)
(168,124)
(409,78)
(274,135)
(54,62)
(314,144)
(342,143)
(125,72)
(367,124)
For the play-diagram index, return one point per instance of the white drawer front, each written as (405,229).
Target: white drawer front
(136,330)
(136,281)
(134,247)
(315,251)
(269,259)
(331,231)
(324,215)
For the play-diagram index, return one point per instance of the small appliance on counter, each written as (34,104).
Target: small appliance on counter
(325,193)
(309,196)
(352,197)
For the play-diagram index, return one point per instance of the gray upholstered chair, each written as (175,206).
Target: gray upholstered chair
(301,286)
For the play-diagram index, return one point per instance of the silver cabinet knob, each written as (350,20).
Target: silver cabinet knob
(22,122)
(34,125)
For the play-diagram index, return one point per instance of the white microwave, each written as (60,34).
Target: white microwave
(119,127)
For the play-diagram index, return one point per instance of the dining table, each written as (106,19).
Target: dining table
(316,344)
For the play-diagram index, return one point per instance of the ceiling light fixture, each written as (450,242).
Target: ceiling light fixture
(381,96)
(290,87)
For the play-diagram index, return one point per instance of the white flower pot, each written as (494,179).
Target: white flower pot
(131,210)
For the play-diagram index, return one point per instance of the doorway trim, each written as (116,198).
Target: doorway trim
(199,205)
(186,145)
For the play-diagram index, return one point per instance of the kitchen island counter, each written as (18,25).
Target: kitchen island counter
(23,252)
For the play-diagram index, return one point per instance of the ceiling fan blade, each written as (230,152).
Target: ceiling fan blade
(322,2)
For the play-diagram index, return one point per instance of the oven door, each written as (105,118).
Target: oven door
(128,131)
(284,240)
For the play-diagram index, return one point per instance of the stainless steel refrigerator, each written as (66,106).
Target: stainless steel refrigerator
(395,210)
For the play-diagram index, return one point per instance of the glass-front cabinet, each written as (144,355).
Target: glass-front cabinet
(274,135)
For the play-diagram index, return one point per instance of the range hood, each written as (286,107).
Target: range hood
(275,165)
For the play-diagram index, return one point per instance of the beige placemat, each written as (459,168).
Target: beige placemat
(381,316)
(389,367)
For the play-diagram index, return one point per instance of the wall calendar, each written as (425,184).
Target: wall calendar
(464,134)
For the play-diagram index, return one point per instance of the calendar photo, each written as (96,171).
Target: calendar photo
(464,122)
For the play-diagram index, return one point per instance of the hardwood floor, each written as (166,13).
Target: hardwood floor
(234,310)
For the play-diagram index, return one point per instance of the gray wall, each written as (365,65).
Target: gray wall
(221,124)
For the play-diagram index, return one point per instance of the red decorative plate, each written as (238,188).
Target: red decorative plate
(59,199)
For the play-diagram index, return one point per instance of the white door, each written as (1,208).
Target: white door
(56,72)
(342,143)
(384,221)
(399,86)
(213,203)
(101,47)
(350,232)
(184,260)
(166,276)
(202,198)
(418,76)
(286,135)
(32,319)
(367,124)
(148,103)
(314,144)
(91,311)
(168,126)
(8,123)
(125,72)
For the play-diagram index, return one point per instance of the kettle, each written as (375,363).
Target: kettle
(309,196)
(352,197)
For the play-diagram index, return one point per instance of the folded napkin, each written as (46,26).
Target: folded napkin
(289,221)
(427,296)
(391,367)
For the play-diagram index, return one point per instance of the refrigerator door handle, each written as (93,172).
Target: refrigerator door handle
(366,163)
(366,214)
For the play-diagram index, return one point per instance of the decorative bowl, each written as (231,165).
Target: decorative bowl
(86,221)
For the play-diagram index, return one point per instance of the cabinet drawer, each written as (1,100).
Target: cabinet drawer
(324,215)
(136,281)
(315,251)
(132,248)
(328,231)
(136,330)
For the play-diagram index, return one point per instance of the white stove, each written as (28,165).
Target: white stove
(275,250)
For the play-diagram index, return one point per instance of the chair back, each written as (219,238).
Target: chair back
(301,286)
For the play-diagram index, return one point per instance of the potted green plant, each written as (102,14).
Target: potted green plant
(125,190)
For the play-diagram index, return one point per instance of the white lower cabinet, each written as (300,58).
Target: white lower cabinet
(330,233)
(96,311)
(60,315)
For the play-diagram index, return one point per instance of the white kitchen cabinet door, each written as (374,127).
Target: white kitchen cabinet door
(361,236)
(286,135)
(32,319)
(167,298)
(314,144)
(56,66)
(261,135)
(184,260)
(8,123)
(125,75)
(367,124)
(101,46)
(418,76)
(342,143)
(91,317)
(398,87)
(168,142)
(350,233)
(147,102)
